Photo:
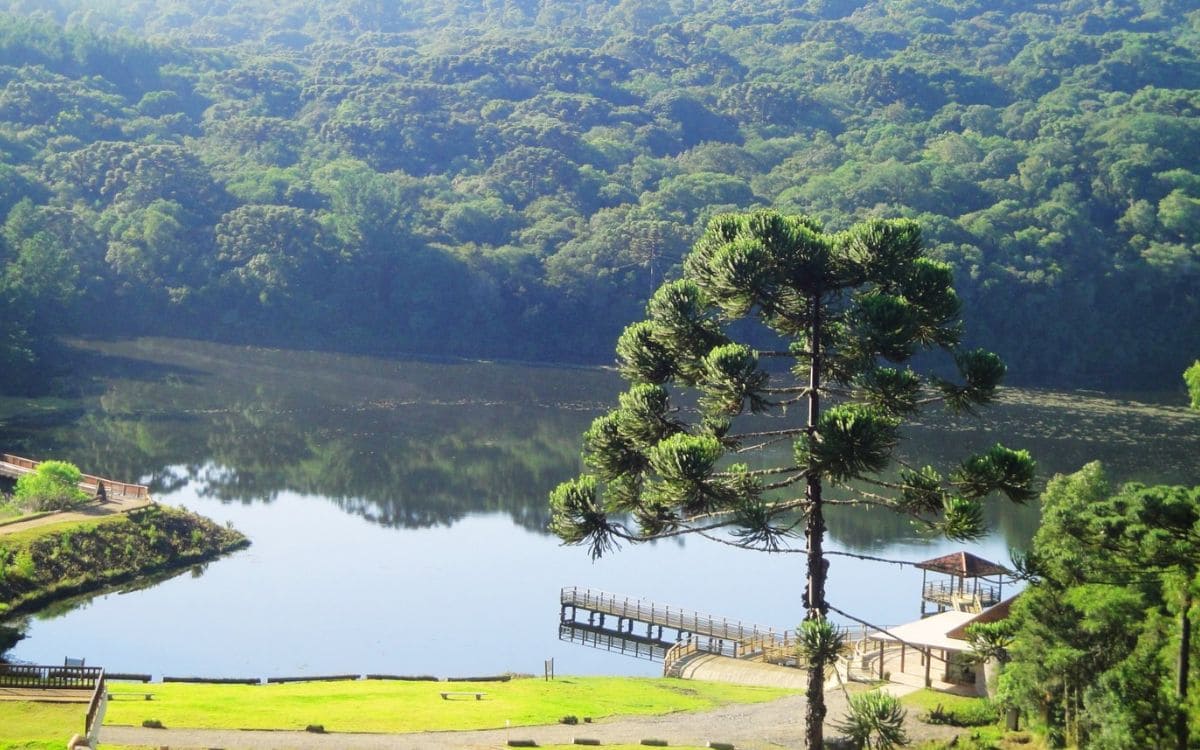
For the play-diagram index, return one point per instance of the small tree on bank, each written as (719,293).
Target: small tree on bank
(850,310)
(1191,376)
(53,485)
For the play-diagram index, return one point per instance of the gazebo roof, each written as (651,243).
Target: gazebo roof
(964,565)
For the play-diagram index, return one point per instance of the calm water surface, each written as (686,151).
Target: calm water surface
(397,511)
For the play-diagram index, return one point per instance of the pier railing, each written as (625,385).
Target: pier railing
(697,632)
(646,611)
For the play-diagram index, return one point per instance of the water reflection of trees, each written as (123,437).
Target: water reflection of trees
(418,444)
(410,466)
(401,444)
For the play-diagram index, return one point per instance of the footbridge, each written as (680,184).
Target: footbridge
(649,630)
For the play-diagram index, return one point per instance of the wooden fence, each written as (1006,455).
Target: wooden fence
(17,465)
(49,678)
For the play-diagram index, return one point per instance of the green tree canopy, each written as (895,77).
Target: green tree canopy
(1102,650)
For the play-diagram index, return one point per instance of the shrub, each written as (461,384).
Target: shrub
(975,714)
(153,724)
(54,485)
(23,565)
(569,720)
(1191,376)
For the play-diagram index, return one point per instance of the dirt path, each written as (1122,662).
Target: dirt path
(762,726)
(89,512)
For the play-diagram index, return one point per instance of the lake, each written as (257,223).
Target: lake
(397,511)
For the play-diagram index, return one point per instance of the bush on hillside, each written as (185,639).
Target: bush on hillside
(54,485)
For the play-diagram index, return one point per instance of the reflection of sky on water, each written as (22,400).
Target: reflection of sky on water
(324,592)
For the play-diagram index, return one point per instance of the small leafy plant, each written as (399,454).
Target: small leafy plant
(875,722)
(53,485)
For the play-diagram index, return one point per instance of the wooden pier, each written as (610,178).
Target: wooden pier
(642,628)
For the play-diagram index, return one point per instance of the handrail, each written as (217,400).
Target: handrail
(99,695)
(942,592)
(647,611)
(676,653)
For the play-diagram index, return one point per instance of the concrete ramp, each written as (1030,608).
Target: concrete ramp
(716,668)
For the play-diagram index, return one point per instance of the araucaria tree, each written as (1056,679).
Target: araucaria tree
(844,314)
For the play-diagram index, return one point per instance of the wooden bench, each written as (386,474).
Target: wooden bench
(144,696)
(446,695)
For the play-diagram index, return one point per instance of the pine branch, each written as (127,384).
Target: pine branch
(788,482)
(757,472)
(861,503)
(885,484)
(790,432)
(760,446)
(889,502)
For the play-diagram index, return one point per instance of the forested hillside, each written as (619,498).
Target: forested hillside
(512,178)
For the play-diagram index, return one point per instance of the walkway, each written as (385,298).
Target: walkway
(89,512)
(741,672)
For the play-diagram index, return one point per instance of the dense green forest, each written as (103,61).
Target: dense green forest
(514,178)
(1103,637)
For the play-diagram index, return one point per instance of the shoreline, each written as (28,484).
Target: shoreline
(48,566)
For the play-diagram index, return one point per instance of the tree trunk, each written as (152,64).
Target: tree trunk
(1183,668)
(814,536)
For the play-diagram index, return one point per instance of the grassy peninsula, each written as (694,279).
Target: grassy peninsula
(54,561)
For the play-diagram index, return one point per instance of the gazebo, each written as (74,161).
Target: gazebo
(974,584)
(889,655)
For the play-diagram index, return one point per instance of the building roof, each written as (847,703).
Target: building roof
(930,632)
(945,630)
(964,565)
(991,614)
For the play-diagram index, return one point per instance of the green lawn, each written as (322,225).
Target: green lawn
(396,706)
(38,726)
